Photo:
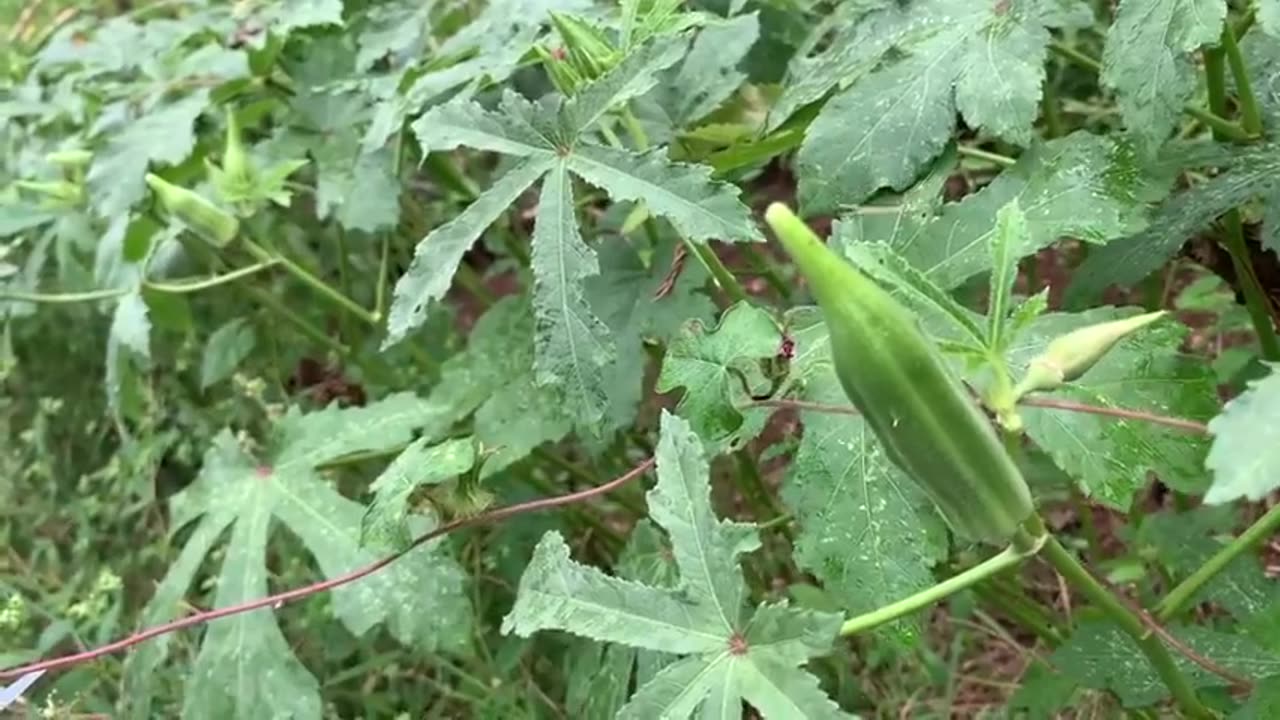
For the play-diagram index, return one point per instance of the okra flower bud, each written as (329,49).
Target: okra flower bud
(1069,356)
(210,222)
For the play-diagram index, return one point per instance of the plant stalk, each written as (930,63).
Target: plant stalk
(1255,298)
(1214,121)
(321,287)
(1250,116)
(1003,560)
(1151,646)
(1181,595)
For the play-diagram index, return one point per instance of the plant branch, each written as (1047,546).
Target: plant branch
(1250,116)
(1004,560)
(1130,623)
(1215,122)
(321,287)
(279,599)
(1179,423)
(1255,298)
(980,154)
(1181,595)
(174,288)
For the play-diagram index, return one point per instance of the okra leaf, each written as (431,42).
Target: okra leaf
(571,344)
(165,136)
(865,529)
(941,313)
(1006,246)
(436,257)
(1099,656)
(1080,186)
(385,525)
(494,380)
(1147,60)
(1245,457)
(719,370)
(1264,701)
(600,673)
(1110,457)
(984,60)
(706,77)
(732,654)
(518,127)
(228,346)
(1250,171)
(699,207)
(245,666)
(1269,16)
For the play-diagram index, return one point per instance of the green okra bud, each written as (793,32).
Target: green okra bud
(210,222)
(589,49)
(562,74)
(236,164)
(59,192)
(1069,356)
(74,159)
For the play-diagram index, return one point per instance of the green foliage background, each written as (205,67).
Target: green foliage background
(477,264)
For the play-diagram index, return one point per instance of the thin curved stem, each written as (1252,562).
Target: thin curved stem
(321,287)
(63,298)
(174,288)
(1003,560)
(179,288)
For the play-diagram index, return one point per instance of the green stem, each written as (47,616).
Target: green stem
(768,269)
(980,154)
(271,302)
(714,265)
(1005,559)
(634,129)
(1215,122)
(179,288)
(1051,110)
(1021,610)
(1085,512)
(61,298)
(380,289)
(1255,298)
(174,288)
(1069,53)
(1151,646)
(1250,116)
(321,287)
(1222,128)
(1180,596)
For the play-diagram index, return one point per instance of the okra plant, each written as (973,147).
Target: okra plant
(640,359)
